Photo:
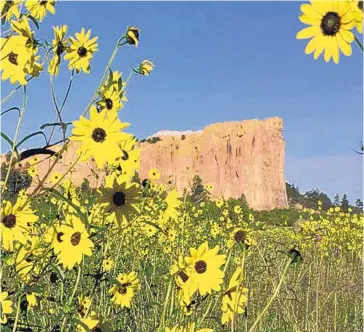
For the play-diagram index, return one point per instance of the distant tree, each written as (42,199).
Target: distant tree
(345,203)
(337,200)
(197,189)
(359,204)
(315,195)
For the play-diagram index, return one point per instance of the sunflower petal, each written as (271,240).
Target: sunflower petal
(308,32)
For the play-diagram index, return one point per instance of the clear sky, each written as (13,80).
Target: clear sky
(215,62)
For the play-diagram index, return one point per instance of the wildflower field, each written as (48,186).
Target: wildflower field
(137,255)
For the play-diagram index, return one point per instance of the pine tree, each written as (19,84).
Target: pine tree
(345,203)
(337,200)
(359,204)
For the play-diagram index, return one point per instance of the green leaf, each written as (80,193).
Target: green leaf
(120,84)
(6,138)
(33,289)
(11,109)
(47,44)
(59,271)
(55,124)
(30,136)
(34,21)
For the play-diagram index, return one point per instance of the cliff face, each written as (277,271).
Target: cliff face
(237,158)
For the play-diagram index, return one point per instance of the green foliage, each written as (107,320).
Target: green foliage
(151,140)
(18,180)
(198,191)
(344,204)
(308,199)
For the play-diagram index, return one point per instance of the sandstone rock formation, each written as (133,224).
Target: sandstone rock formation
(237,158)
(245,157)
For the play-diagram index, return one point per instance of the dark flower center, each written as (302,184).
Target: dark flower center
(76,238)
(330,24)
(125,155)
(60,49)
(59,236)
(96,329)
(82,51)
(108,103)
(183,276)
(9,221)
(98,135)
(119,198)
(123,289)
(200,267)
(239,236)
(13,58)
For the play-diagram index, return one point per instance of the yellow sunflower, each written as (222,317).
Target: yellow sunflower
(55,177)
(209,187)
(107,264)
(38,9)
(6,307)
(110,100)
(116,81)
(80,51)
(93,323)
(75,243)
(15,55)
(55,236)
(31,299)
(8,9)
(173,203)
(123,293)
(330,24)
(132,36)
(15,223)
(357,10)
(154,174)
(60,44)
(234,298)
(187,285)
(100,136)
(146,67)
(32,171)
(243,237)
(204,267)
(130,157)
(120,198)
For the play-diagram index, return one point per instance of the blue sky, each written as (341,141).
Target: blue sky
(215,62)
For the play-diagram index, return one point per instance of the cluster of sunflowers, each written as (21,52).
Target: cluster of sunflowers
(132,255)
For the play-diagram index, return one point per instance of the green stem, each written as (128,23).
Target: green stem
(359,43)
(72,296)
(275,294)
(17,314)
(165,306)
(14,140)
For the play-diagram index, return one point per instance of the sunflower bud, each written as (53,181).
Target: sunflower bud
(145,67)
(132,36)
